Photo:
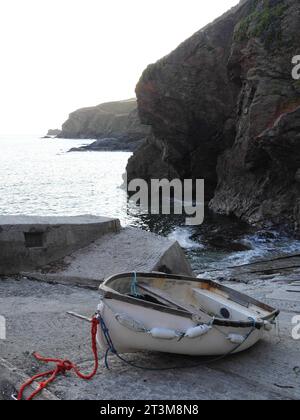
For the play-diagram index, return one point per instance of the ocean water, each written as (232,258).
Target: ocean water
(39,177)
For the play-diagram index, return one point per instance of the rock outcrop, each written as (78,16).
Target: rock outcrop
(224,107)
(114,120)
(54,133)
(111,145)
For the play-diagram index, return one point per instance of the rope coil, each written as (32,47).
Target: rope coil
(62,367)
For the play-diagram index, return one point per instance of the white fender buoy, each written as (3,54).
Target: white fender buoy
(130,323)
(164,333)
(236,339)
(196,332)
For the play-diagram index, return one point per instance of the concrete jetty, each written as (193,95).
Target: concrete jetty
(83,250)
(28,242)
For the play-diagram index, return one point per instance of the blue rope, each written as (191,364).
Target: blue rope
(134,285)
(108,340)
(253,320)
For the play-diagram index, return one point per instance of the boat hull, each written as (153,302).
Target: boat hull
(214,343)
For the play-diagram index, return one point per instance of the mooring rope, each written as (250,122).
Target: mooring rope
(63,366)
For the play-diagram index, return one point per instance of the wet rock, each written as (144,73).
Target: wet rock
(220,242)
(111,144)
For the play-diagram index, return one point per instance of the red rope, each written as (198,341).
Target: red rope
(62,366)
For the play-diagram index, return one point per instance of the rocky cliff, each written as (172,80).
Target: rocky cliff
(223,106)
(53,133)
(114,120)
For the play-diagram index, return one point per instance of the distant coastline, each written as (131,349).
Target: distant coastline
(114,125)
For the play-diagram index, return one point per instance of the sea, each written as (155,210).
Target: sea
(41,177)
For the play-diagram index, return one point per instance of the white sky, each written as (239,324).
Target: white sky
(60,55)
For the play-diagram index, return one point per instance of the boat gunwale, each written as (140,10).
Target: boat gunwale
(111,294)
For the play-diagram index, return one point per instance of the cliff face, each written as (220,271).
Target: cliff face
(118,120)
(224,107)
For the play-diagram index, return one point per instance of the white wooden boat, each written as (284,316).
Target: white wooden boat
(182,315)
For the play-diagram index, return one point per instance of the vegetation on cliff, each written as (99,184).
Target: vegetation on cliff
(264,22)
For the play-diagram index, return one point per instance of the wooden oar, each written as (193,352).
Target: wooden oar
(82,317)
(165,298)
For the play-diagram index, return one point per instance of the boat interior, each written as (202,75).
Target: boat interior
(203,297)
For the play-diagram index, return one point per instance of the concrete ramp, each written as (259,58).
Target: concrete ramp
(125,251)
(29,242)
